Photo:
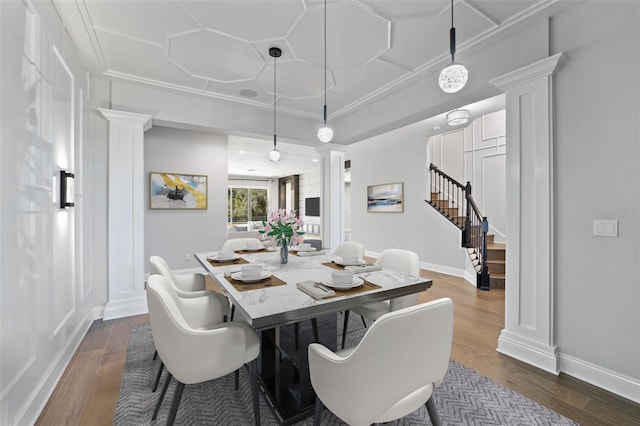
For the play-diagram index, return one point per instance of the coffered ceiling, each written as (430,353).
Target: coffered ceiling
(219,48)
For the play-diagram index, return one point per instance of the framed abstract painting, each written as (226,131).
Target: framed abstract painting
(177,191)
(386,198)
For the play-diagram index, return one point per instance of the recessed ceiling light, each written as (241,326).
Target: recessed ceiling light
(241,152)
(248,93)
(315,160)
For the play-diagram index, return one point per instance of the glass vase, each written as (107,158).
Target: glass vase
(284,254)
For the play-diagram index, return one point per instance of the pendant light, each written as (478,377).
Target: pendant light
(454,76)
(274,52)
(325,133)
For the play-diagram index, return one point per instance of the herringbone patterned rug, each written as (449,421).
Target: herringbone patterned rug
(464,398)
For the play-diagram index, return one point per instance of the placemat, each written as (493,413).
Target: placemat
(238,261)
(337,266)
(271,281)
(263,250)
(367,286)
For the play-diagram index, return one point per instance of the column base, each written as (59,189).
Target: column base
(529,351)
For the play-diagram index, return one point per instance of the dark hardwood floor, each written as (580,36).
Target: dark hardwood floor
(88,391)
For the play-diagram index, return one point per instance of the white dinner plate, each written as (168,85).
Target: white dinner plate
(238,276)
(356,263)
(254,248)
(357,282)
(230,259)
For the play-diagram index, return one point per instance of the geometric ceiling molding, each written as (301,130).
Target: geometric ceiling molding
(161,20)
(407,9)
(355,35)
(215,56)
(143,61)
(303,80)
(220,48)
(224,17)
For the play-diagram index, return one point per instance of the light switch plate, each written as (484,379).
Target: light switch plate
(605,228)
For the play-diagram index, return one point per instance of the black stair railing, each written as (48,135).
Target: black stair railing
(455,202)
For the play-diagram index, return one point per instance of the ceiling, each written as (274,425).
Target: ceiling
(218,49)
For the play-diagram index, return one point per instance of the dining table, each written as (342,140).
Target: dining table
(281,313)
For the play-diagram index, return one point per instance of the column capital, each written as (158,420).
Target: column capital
(115,115)
(543,68)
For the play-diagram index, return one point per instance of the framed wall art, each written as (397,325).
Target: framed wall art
(386,198)
(177,191)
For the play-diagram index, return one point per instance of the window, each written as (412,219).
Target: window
(247,205)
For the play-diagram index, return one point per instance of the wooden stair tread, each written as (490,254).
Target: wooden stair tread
(502,261)
(499,276)
(497,246)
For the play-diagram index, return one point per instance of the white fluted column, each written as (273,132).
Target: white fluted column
(332,200)
(126,293)
(529,294)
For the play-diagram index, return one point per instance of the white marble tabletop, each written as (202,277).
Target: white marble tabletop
(274,306)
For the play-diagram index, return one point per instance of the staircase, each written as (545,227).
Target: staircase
(496,257)
(454,201)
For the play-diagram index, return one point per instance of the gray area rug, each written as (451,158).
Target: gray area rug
(464,398)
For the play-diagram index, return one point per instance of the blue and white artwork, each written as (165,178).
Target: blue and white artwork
(387,198)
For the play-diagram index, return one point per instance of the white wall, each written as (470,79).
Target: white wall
(392,158)
(45,295)
(597,153)
(173,234)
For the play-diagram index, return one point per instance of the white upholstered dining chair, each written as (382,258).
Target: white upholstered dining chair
(399,260)
(239,243)
(391,372)
(193,354)
(187,285)
(350,249)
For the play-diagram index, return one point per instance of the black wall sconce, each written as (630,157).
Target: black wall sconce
(66,189)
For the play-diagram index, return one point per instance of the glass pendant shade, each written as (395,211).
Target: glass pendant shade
(453,78)
(325,134)
(274,155)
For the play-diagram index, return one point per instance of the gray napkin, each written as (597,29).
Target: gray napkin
(317,292)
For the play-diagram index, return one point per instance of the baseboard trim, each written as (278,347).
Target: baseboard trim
(98,312)
(626,387)
(533,353)
(125,308)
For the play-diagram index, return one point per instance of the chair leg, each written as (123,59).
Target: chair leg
(233,311)
(155,355)
(433,413)
(314,325)
(363,321)
(175,403)
(253,375)
(155,386)
(296,332)
(164,391)
(236,377)
(317,415)
(344,327)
